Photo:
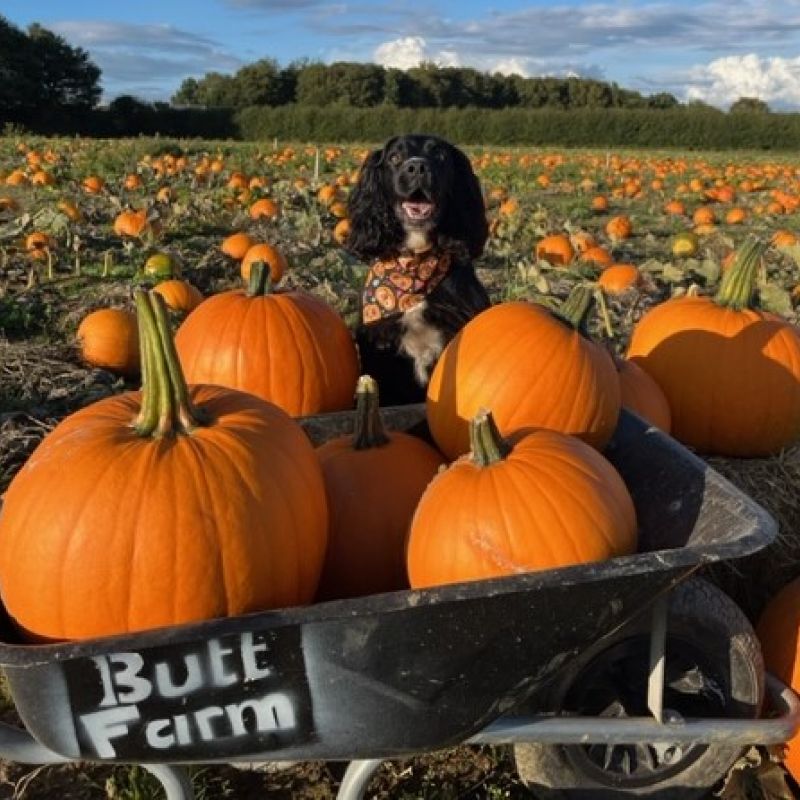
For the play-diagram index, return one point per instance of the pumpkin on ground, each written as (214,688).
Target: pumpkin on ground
(179,295)
(534,367)
(109,338)
(619,278)
(778,631)
(511,506)
(374,481)
(731,373)
(285,346)
(163,507)
(269,255)
(556,249)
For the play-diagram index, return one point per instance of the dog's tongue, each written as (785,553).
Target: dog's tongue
(418,209)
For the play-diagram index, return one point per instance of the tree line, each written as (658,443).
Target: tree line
(361,85)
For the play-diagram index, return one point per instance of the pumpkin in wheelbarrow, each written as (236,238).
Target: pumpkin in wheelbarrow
(168,506)
(537,500)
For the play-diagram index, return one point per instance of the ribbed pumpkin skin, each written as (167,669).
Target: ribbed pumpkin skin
(778,630)
(288,347)
(552,502)
(642,395)
(372,495)
(105,532)
(109,338)
(531,369)
(731,378)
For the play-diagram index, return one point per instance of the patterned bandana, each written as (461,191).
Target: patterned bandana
(395,286)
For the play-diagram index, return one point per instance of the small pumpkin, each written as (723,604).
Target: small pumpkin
(236,245)
(163,507)
(266,208)
(555,249)
(179,295)
(374,481)
(619,227)
(267,254)
(109,338)
(533,366)
(730,372)
(132,223)
(162,265)
(510,507)
(285,346)
(619,278)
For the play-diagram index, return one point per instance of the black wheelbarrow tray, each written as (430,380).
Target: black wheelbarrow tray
(606,677)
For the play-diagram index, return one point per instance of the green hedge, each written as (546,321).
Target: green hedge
(686,127)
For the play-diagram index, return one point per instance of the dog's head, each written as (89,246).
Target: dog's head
(416,189)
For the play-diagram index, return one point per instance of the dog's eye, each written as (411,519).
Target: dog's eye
(395,159)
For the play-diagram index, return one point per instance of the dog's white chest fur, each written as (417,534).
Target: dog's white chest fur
(421,341)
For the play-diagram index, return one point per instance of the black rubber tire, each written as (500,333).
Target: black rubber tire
(702,617)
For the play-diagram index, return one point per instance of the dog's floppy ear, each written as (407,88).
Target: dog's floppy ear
(374,227)
(466,212)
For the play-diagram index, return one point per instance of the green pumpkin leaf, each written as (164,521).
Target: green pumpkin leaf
(775,299)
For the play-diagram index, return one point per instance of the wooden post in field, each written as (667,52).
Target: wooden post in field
(316,165)
(275,145)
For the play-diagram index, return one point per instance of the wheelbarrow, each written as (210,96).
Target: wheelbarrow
(629,677)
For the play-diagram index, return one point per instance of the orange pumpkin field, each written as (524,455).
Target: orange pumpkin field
(664,282)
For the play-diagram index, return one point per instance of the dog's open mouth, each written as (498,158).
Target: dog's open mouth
(418,206)
(418,210)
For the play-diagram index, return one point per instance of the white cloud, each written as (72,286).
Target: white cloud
(775,80)
(410,51)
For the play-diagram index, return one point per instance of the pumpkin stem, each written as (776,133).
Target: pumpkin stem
(738,282)
(488,446)
(576,307)
(369,431)
(260,282)
(166,407)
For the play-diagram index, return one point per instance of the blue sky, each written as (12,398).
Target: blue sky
(706,49)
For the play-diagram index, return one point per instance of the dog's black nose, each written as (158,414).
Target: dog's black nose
(416,167)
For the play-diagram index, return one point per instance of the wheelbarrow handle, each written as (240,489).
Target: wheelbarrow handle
(636,730)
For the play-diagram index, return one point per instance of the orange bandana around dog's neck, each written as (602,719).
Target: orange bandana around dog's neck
(401,283)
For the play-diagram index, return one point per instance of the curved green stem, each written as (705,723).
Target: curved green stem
(488,446)
(166,406)
(369,431)
(739,281)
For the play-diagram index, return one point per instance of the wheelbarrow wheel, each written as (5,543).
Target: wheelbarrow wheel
(713,669)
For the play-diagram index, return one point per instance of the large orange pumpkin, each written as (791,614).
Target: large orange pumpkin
(162,507)
(511,507)
(778,631)
(374,481)
(284,346)
(731,373)
(533,367)
(109,338)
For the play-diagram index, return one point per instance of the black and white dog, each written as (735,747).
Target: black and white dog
(417,216)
